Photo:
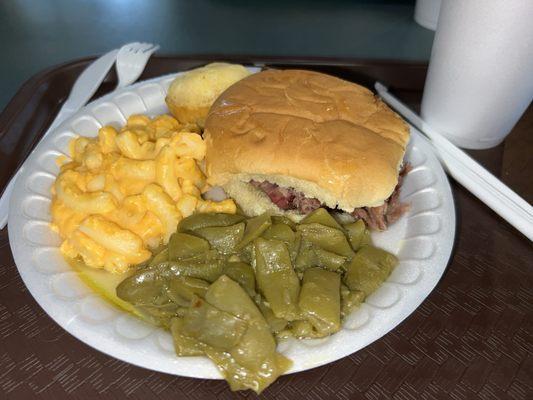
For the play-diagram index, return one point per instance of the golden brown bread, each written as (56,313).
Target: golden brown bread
(326,137)
(191,94)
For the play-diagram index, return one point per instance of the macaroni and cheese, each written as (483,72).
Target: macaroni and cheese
(123,193)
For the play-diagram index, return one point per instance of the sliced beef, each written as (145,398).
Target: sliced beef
(287,198)
(305,205)
(377,218)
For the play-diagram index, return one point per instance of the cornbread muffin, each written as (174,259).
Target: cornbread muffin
(191,94)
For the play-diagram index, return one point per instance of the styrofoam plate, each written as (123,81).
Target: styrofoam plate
(422,239)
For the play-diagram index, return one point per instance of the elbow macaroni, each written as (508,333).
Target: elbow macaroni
(124,192)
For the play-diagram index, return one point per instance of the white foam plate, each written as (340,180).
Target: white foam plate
(422,239)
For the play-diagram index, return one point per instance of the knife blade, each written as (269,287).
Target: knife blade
(82,90)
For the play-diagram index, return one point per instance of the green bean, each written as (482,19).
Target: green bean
(323,217)
(182,245)
(222,238)
(162,315)
(243,274)
(328,238)
(305,257)
(254,362)
(327,259)
(310,256)
(276,278)
(146,287)
(358,234)
(320,300)
(184,288)
(367,239)
(294,249)
(240,377)
(350,300)
(160,257)
(212,326)
(226,287)
(184,345)
(280,232)
(206,268)
(246,254)
(303,329)
(254,228)
(197,221)
(277,325)
(368,269)
(276,219)
(229,296)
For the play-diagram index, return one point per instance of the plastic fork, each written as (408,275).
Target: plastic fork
(131,60)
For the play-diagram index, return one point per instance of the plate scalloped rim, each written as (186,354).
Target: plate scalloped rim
(423,239)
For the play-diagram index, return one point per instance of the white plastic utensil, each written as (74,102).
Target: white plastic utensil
(474,177)
(84,88)
(131,60)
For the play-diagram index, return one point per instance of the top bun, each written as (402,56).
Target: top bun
(326,137)
(191,94)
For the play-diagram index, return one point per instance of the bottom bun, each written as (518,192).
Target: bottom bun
(254,201)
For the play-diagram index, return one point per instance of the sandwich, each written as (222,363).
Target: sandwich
(290,141)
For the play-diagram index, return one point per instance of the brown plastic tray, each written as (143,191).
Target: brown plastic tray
(471,338)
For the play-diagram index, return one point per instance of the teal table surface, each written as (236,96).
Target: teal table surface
(35,34)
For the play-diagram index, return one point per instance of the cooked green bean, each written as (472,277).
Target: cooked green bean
(323,217)
(243,274)
(223,238)
(276,219)
(208,268)
(256,352)
(368,269)
(327,259)
(327,238)
(305,257)
(320,300)
(254,228)
(184,345)
(212,326)
(146,287)
(281,232)
(197,221)
(246,254)
(312,256)
(276,324)
(182,245)
(350,300)
(184,288)
(162,315)
(226,287)
(276,278)
(356,233)
(303,329)
(294,249)
(160,257)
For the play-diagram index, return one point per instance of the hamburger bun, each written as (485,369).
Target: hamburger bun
(328,138)
(191,94)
